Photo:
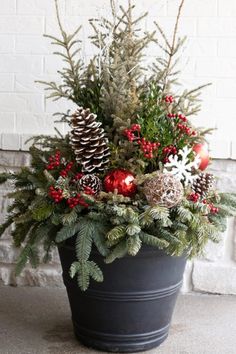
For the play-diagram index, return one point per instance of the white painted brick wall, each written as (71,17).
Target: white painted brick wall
(27,56)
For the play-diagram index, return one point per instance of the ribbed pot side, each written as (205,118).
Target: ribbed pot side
(132,309)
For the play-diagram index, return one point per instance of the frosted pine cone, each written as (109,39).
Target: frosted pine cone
(91,181)
(88,141)
(203,184)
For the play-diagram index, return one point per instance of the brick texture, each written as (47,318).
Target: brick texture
(26,55)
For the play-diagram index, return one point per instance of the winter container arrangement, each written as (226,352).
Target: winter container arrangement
(125,195)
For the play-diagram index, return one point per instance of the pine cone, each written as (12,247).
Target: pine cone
(203,184)
(88,141)
(91,181)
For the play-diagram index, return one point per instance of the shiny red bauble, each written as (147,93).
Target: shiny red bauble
(120,180)
(202,151)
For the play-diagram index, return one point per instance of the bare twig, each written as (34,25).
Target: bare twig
(172,49)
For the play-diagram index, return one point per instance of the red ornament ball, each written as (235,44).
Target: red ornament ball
(120,180)
(202,151)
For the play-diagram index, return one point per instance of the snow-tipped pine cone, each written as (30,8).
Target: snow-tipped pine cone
(88,141)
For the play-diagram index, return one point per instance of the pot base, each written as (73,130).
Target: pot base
(120,343)
(131,310)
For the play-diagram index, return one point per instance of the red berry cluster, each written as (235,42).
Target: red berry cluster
(77,200)
(187,130)
(169,99)
(182,127)
(183,118)
(194,197)
(64,173)
(133,133)
(76,177)
(171,115)
(54,161)
(167,151)
(213,209)
(148,148)
(179,116)
(56,194)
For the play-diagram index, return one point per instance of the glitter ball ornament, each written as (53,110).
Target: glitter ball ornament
(203,153)
(120,180)
(163,189)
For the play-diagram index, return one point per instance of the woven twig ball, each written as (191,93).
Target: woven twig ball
(163,189)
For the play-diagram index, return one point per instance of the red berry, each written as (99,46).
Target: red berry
(194,197)
(182,117)
(79,176)
(188,131)
(166,160)
(136,127)
(180,126)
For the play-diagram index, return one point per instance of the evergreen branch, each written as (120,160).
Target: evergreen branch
(23,218)
(43,211)
(134,245)
(99,238)
(219,222)
(23,259)
(116,234)
(173,48)
(67,231)
(4,177)
(153,241)
(167,235)
(6,224)
(83,275)
(159,213)
(20,232)
(133,229)
(119,251)
(70,218)
(47,246)
(75,266)
(163,35)
(84,239)
(95,272)
(29,252)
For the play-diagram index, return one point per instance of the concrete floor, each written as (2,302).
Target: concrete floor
(37,321)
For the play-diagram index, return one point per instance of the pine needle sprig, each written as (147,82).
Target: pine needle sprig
(72,74)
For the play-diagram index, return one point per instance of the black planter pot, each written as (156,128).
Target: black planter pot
(132,309)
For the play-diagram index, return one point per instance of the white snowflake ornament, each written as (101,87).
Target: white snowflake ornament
(182,167)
